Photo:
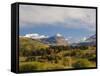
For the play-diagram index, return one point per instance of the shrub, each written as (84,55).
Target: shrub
(27,67)
(30,66)
(77,53)
(36,66)
(92,57)
(67,61)
(83,47)
(82,63)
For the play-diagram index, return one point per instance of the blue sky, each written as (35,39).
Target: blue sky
(73,23)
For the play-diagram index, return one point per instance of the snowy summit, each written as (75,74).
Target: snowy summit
(58,34)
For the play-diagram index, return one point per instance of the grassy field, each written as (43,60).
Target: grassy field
(62,60)
(35,56)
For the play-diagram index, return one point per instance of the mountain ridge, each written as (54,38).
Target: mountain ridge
(58,39)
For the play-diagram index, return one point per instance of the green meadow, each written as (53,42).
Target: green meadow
(36,56)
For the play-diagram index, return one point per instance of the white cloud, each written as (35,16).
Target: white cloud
(71,17)
(35,36)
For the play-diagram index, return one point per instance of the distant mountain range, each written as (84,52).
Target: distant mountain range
(58,40)
(91,38)
(90,41)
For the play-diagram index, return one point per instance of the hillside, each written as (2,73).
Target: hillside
(30,44)
(35,55)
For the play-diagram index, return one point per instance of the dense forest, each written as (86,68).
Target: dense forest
(35,56)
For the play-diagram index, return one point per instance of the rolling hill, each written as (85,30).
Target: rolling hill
(31,44)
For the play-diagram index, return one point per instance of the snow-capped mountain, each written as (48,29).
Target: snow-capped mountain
(90,41)
(91,38)
(57,39)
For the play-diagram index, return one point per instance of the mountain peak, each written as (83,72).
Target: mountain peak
(58,35)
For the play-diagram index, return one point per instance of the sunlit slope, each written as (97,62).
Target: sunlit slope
(30,44)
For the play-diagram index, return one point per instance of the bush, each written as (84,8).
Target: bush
(31,66)
(67,61)
(77,53)
(83,47)
(92,57)
(27,67)
(36,66)
(82,63)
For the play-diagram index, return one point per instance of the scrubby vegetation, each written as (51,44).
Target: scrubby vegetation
(34,55)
